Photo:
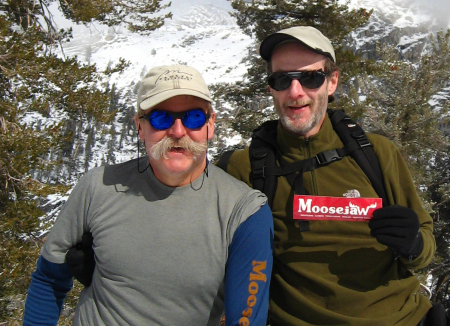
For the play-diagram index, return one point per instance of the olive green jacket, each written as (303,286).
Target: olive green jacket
(337,273)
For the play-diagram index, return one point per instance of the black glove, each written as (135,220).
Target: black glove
(397,227)
(80,260)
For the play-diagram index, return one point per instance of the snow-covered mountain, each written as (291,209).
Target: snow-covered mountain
(202,35)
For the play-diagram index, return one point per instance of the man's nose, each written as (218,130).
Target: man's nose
(177,130)
(296,89)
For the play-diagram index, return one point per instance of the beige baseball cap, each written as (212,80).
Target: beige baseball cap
(306,35)
(164,82)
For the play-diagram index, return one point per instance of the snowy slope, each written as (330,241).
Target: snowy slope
(202,35)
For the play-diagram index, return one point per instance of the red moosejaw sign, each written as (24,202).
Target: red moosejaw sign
(335,208)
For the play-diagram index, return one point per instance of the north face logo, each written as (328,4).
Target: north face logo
(352,194)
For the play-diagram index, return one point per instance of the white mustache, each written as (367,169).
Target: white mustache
(161,148)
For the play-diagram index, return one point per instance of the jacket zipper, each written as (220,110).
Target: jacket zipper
(313,176)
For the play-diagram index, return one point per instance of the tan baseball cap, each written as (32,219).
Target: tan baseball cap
(164,82)
(306,35)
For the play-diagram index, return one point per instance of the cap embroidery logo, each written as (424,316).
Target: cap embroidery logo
(175,76)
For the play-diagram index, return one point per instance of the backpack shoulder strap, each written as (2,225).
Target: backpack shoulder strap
(262,153)
(350,132)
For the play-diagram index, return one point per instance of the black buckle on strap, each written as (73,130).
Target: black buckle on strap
(259,173)
(326,157)
(363,142)
(359,135)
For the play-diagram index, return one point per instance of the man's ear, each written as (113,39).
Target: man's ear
(271,90)
(210,122)
(138,126)
(332,84)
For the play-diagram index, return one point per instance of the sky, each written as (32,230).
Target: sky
(405,13)
(439,10)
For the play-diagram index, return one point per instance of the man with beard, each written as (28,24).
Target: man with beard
(177,241)
(330,268)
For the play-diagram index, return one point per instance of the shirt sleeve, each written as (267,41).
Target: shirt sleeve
(49,286)
(248,270)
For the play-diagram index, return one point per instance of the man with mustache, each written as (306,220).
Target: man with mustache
(177,241)
(332,269)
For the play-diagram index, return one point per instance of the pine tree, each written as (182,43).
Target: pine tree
(132,13)
(36,87)
(440,195)
(90,139)
(399,105)
(110,157)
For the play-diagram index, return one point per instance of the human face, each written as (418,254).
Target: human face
(301,110)
(176,165)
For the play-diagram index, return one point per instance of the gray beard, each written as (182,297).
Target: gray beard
(313,120)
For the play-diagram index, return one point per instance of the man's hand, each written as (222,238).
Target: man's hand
(80,260)
(398,227)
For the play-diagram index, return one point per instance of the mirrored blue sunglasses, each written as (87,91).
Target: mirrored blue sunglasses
(191,119)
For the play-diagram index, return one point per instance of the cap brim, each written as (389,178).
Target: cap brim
(152,101)
(272,41)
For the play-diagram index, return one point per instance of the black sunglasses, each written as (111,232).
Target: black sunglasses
(162,120)
(280,81)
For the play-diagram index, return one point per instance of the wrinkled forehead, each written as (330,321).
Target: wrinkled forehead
(293,56)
